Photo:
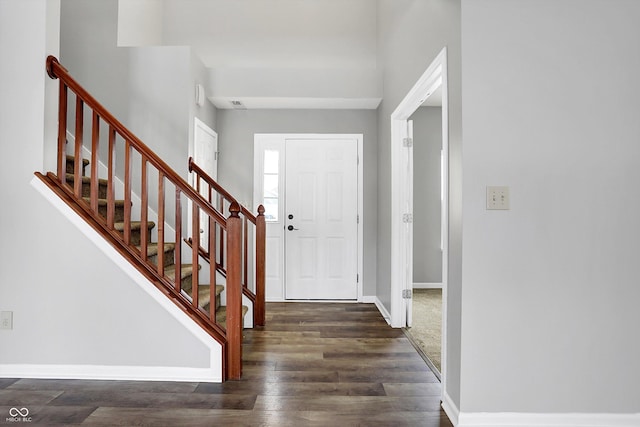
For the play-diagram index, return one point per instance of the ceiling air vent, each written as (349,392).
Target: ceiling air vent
(237,105)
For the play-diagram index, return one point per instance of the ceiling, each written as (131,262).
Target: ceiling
(315,53)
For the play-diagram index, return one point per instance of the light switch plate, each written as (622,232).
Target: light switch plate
(6,319)
(498,198)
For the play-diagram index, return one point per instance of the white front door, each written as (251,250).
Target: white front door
(321,219)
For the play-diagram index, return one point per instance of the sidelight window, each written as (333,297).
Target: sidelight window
(270,196)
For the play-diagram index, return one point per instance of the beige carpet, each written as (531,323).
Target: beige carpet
(427,323)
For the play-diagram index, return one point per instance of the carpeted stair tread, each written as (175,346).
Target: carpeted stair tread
(135,225)
(221,315)
(103,202)
(185,271)
(204,297)
(152,248)
(86,185)
(86,179)
(72,159)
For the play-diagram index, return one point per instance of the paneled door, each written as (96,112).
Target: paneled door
(205,155)
(321,219)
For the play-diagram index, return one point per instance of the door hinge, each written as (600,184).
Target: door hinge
(215,155)
(358,219)
(407,294)
(407,218)
(358,161)
(357,278)
(407,142)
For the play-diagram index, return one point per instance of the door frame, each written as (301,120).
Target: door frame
(200,126)
(402,198)
(264,140)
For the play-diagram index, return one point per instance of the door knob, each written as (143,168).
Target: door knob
(290,216)
(291,228)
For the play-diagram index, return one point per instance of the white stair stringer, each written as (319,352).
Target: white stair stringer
(210,369)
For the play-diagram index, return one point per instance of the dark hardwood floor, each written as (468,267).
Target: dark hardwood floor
(313,364)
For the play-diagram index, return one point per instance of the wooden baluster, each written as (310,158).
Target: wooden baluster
(127,192)
(234,293)
(261,246)
(245,254)
(62,133)
(222,234)
(110,173)
(195,247)
(212,268)
(95,147)
(210,226)
(213,233)
(160,223)
(178,250)
(144,209)
(77,172)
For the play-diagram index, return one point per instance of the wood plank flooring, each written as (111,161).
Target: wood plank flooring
(314,364)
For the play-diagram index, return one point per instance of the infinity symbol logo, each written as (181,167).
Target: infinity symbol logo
(14,412)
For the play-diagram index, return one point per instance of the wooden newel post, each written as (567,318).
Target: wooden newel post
(234,293)
(261,246)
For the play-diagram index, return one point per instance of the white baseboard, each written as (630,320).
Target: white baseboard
(427,286)
(95,372)
(368,299)
(513,419)
(450,409)
(383,310)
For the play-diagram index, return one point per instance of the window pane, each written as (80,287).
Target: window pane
(270,209)
(271,161)
(271,186)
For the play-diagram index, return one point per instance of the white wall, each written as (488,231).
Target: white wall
(410,35)
(550,287)
(237,127)
(282,53)
(65,295)
(149,89)
(427,203)
(158,95)
(232,34)
(140,22)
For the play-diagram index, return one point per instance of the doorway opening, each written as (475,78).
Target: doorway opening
(424,328)
(432,83)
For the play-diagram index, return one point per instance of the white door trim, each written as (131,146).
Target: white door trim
(402,197)
(262,139)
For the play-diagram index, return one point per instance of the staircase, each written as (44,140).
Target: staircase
(117,192)
(153,248)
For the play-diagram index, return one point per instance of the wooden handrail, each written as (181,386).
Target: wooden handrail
(123,239)
(257,297)
(57,71)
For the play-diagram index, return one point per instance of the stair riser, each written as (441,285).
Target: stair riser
(86,189)
(169,258)
(71,166)
(135,237)
(206,306)
(118,213)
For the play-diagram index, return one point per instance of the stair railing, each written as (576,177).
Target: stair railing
(129,156)
(253,285)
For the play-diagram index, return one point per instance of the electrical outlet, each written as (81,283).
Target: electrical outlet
(6,319)
(498,198)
